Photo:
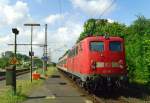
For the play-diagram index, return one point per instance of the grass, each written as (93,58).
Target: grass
(24,88)
(51,70)
(142,82)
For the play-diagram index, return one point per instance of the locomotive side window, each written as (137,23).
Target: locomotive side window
(80,47)
(96,46)
(115,46)
(76,50)
(73,52)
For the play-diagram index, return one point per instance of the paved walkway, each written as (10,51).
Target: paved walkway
(57,89)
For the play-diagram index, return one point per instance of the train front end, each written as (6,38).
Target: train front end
(107,61)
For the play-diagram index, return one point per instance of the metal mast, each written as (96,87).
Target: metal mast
(31,53)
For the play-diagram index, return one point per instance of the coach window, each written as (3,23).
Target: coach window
(115,46)
(80,47)
(73,52)
(96,46)
(76,50)
(69,53)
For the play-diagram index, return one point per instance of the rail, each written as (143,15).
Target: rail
(18,72)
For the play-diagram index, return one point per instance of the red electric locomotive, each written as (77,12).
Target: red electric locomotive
(97,61)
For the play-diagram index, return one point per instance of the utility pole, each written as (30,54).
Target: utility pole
(31,53)
(16,32)
(45,57)
(49,56)
(46,46)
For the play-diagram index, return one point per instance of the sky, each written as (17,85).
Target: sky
(65,19)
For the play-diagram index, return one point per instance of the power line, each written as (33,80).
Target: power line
(60,7)
(105,10)
(60,11)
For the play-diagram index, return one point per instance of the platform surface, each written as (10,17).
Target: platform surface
(57,89)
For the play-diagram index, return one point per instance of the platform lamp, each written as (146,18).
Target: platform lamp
(31,53)
(16,32)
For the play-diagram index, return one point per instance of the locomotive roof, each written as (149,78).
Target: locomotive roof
(102,38)
(92,38)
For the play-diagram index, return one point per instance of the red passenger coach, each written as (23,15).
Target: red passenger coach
(96,62)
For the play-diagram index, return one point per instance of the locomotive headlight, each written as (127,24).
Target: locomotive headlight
(95,65)
(99,64)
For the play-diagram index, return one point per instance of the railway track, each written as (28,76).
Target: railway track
(122,95)
(18,72)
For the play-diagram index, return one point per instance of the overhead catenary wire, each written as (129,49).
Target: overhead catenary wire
(107,8)
(111,4)
(60,10)
(60,6)
(103,12)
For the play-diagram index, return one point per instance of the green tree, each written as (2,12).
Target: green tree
(38,62)
(137,43)
(4,62)
(139,33)
(99,27)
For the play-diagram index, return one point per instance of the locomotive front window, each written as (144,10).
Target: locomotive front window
(115,46)
(97,46)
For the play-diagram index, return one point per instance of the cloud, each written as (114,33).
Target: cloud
(93,7)
(5,39)
(2,2)
(110,20)
(13,14)
(53,18)
(64,38)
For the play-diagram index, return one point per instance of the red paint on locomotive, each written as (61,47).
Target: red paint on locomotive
(95,55)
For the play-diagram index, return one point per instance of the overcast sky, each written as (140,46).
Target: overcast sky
(65,19)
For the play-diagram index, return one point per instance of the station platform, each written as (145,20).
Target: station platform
(57,89)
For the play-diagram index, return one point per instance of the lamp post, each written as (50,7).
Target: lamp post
(16,32)
(31,53)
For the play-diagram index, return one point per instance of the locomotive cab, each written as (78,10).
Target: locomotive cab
(107,58)
(96,61)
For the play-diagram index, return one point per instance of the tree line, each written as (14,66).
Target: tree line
(137,43)
(23,60)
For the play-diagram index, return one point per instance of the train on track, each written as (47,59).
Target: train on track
(96,62)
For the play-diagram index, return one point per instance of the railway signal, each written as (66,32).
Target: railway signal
(45,58)
(31,53)
(16,32)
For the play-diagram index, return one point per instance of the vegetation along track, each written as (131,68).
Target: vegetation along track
(131,94)
(18,72)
